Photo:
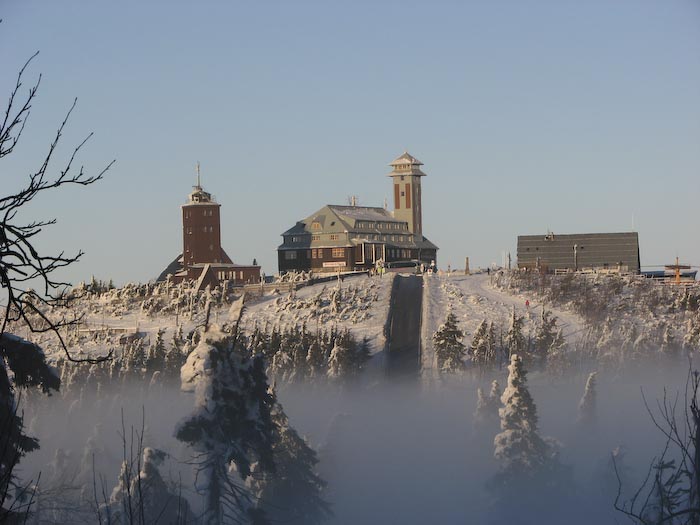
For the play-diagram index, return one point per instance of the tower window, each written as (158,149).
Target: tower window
(211,247)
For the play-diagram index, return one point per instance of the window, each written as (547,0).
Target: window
(290,255)
(315,225)
(296,240)
(189,230)
(314,253)
(316,237)
(211,247)
(338,253)
(334,236)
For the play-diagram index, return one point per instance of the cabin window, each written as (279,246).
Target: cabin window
(338,253)
(290,255)
(334,236)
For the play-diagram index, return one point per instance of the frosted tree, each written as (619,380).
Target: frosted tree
(523,454)
(515,339)
(231,425)
(294,492)
(668,344)
(316,359)
(346,358)
(691,339)
(146,498)
(487,405)
(449,349)
(155,357)
(545,334)
(479,349)
(587,405)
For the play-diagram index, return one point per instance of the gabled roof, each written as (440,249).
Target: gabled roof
(406,164)
(406,158)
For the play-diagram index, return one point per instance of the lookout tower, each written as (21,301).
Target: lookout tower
(406,174)
(201,227)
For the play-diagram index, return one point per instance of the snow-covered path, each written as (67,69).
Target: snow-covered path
(472,299)
(571,323)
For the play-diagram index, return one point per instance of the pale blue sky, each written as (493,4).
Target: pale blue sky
(529,115)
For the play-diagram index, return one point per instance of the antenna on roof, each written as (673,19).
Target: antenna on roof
(199,185)
(386,203)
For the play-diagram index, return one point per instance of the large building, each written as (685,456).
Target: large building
(349,238)
(202,258)
(576,252)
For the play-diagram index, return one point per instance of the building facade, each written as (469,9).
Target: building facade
(351,238)
(578,252)
(203,259)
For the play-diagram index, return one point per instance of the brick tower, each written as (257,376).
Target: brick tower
(201,229)
(406,174)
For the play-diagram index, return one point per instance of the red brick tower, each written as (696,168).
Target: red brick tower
(201,229)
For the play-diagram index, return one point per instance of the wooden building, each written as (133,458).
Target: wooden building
(580,252)
(349,238)
(202,258)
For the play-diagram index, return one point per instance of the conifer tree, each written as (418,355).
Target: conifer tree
(515,339)
(523,454)
(479,349)
(587,405)
(449,349)
(545,335)
(231,424)
(294,492)
(488,404)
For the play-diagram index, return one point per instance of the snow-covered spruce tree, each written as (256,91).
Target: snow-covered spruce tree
(294,492)
(346,358)
(479,349)
(691,339)
(27,363)
(587,405)
(231,426)
(524,456)
(449,349)
(487,405)
(515,339)
(155,357)
(545,334)
(146,498)
(316,359)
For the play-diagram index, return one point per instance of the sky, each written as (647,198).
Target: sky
(530,116)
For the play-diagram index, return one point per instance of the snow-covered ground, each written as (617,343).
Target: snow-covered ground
(472,299)
(362,307)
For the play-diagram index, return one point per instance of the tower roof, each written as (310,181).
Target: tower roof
(406,164)
(198,195)
(406,158)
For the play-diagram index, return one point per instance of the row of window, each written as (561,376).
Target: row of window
(378,225)
(229,274)
(315,253)
(205,229)
(205,213)
(211,248)
(316,237)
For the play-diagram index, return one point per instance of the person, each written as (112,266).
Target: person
(527,303)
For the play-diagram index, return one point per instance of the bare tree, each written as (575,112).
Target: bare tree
(22,266)
(670,492)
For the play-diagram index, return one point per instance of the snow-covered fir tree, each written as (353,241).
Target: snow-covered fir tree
(587,405)
(294,492)
(487,404)
(146,497)
(523,454)
(231,426)
(22,365)
(449,349)
(545,334)
(479,350)
(515,338)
